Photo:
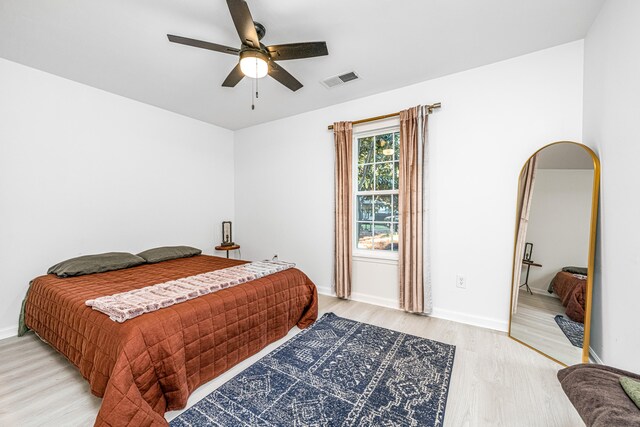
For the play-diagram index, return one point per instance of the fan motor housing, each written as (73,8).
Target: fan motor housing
(260,29)
(255,53)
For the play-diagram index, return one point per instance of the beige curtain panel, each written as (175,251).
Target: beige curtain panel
(343,137)
(410,239)
(426,217)
(525,196)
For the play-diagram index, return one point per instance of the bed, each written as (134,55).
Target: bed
(571,288)
(150,364)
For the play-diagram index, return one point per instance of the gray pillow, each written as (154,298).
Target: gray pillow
(576,270)
(99,263)
(166,253)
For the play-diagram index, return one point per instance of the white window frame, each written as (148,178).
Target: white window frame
(368,253)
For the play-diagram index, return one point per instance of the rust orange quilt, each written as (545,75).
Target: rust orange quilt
(151,364)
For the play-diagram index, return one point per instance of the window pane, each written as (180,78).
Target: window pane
(365,237)
(382,236)
(384,147)
(394,204)
(376,216)
(365,178)
(382,209)
(396,174)
(396,145)
(364,208)
(365,150)
(394,238)
(384,176)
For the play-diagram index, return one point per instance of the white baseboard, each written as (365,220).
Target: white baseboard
(543,292)
(325,291)
(483,322)
(360,297)
(371,299)
(594,357)
(9,332)
(470,319)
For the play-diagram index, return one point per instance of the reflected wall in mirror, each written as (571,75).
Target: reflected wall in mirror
(554,252)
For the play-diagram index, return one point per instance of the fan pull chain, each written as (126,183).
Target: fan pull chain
(253,104)
(257,80)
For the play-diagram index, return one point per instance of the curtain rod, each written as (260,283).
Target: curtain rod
(429,108)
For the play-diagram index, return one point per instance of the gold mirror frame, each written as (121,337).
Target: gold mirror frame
(590,261)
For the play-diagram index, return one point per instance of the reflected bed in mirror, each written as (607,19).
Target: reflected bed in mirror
(554,252)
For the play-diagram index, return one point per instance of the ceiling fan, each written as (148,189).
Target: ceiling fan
(256,59)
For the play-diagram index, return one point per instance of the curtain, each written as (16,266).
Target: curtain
(343,137)
(411,257)
(523,207)
(426,217)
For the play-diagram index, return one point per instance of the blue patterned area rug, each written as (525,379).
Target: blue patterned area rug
(337,372)
(574,331)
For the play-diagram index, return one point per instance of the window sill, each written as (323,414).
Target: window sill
(375,258)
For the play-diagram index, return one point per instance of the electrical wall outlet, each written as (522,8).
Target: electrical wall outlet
(461,281)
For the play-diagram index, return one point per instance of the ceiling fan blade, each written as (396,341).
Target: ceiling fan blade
(282,52)
(203,45)
(244,22)
(234,77)
(283,76)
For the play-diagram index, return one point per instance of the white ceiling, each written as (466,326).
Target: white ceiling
(121,46)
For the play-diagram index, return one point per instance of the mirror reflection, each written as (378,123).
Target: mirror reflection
(554,252)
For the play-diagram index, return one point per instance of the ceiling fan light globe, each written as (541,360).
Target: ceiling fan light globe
(254,65)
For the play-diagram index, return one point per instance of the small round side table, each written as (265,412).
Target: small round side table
(227,248)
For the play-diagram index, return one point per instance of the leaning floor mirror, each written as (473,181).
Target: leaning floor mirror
(554,248)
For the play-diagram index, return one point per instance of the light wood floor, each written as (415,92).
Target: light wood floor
(495,380)
(534,324)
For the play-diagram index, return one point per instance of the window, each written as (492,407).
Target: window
(376,192)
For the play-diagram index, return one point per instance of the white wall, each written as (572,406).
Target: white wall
(85,171)
(491,121)
(559,223)
(611,112)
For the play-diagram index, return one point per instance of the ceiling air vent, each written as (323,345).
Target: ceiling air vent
(339,80)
